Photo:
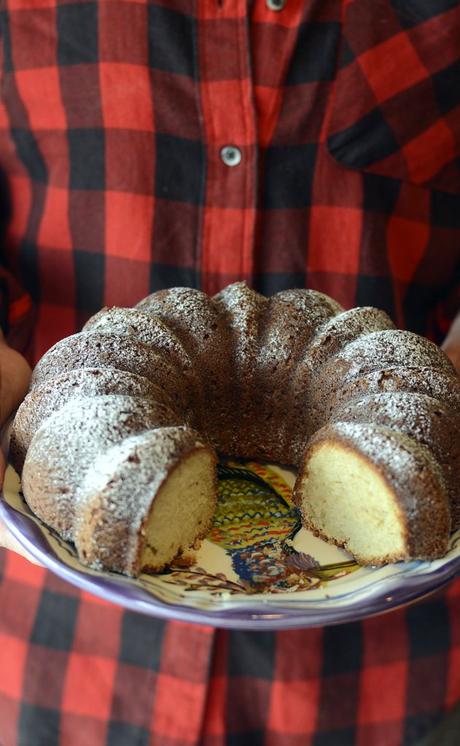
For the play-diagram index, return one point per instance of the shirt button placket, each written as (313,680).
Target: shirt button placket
(230,133)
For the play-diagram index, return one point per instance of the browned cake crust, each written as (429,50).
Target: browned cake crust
(256,377)
(84,350)
(65,445)
(46,399)
(196,321)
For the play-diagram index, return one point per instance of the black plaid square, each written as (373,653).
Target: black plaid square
(8,65)
(339,737)
(261,660)
(446,85)
(89,280)
(445,210)
(287,176)
(55,621)
(179,169)
(77,27)
(169,276)
(429,628)
(38,726)
(86,151)
(123,734)
(380,193)
(141,639)
(171,41)
(249,737)
(315,53)
(269,283)
(30,154)
(370,288)
(342,649)
(366,141)
(413,12)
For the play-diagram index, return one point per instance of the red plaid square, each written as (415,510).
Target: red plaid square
(54,228)
(293,706)
(429,152)
(126,97)
(453,676)
(13,655)
(58,322)
(20,570)
(170,721)
(334,239)
(383,63)
(210,11)
(226,123)
(41,94)
(383,692)
(214,719)
(15,5)
(88,685)
(222,232)
(406,244)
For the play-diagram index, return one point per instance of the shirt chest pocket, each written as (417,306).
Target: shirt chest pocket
(395,109)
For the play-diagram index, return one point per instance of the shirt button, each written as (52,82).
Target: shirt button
(230,155)
(275,4)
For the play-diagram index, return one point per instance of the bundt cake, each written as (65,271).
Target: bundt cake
(117,438)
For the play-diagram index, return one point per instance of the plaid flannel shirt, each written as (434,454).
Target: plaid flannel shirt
(114,114)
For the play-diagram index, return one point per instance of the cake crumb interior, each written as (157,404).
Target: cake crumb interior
(182,510)
(348,501)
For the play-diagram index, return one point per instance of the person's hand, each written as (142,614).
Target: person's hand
(14,383)
(451,344)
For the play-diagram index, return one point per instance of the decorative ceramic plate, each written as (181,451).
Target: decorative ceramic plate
(257,569)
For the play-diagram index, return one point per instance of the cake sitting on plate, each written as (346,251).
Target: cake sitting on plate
(116,441)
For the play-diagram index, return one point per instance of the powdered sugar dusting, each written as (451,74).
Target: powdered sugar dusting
(240,368)
(87,426)
(120,487)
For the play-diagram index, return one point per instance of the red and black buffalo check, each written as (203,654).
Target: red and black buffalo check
(114,114)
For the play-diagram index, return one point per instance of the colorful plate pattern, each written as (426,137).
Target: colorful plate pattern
(257,569)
